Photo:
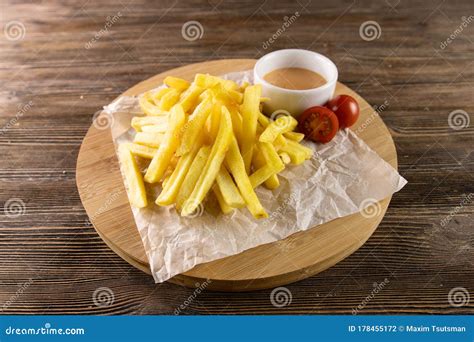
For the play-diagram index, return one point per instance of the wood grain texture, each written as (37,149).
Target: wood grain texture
(298,257)
(52,244)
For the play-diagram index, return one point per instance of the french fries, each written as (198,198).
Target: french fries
(213,164)
(192,176)
(220,199)
(250,112)
(169,99)
(206,136)
(236,165)
(149,107)
(170,143)
(295,136)
(194,126)
(135,186)
(228,190)
(148,139)
(142,151)
(138,122)
(176,83)
(170,189)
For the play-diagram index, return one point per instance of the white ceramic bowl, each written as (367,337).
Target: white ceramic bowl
(295,101)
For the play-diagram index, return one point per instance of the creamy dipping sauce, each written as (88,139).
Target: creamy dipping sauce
(295,78)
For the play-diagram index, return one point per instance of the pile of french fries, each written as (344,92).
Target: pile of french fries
(208,136)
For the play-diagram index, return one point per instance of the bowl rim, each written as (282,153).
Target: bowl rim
(328,83)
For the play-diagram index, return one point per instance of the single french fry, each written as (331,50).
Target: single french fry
(280,125)
(208,81)
(220,199)
(191,178)
(297,157)
(214,121)
(259,161)
(306,150)
(236,123)
(161,159)
(236,166)
(149,139)
(189,98)
(156,97)
(172,186)
(176,83)
(160,128)
(261,175)
(298,153)
(150,108)
(230,85)
(295,136)
(213,164)
(228,189)
(273,182)
(263,120)
(169,99)
(271,156)
(243,86)
(235,95)
(273,165)
(250,113)
(205,94)
(205,80)
(139,121)
(142,150)
(165,180)
(193,127)
(285,158)
(133,178)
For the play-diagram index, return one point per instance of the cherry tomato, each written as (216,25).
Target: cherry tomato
(346,109)
(318,124)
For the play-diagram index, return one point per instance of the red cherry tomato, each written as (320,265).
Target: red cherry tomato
(346,108)
(318,124)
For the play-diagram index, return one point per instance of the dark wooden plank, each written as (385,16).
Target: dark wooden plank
(52,261)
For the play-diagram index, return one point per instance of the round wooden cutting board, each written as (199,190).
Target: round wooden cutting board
(297,257)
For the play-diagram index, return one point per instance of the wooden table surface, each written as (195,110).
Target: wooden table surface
(61,61)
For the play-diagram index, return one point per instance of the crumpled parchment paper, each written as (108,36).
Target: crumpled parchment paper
(343,177)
